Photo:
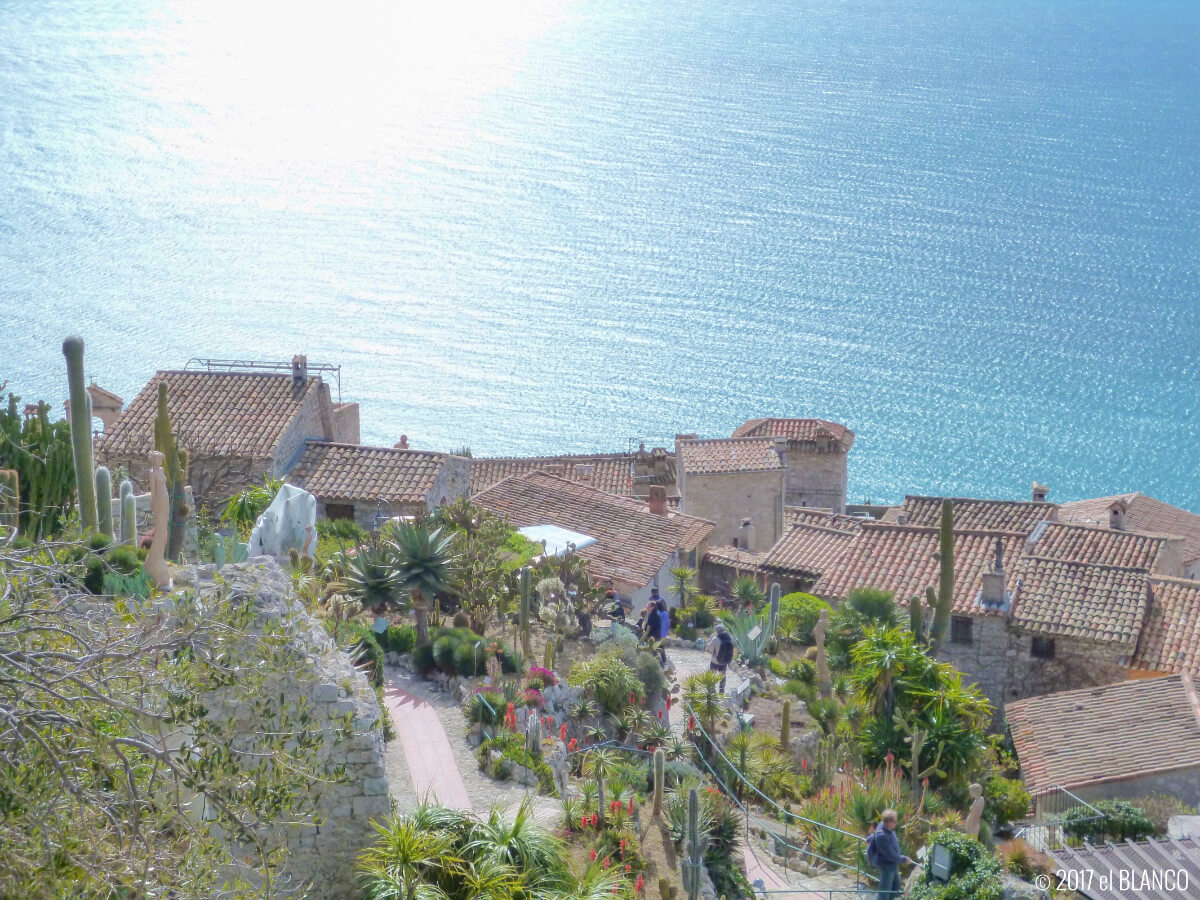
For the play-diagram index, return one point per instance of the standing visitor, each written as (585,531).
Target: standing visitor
(721,645)
(664,628)
(883,852)
(650,626)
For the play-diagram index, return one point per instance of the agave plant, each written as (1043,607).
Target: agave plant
(750,634)
(747,593)
(370,576)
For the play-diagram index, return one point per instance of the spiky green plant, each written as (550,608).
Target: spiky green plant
(747,592)
(371,577)
(81,432)
(425,561)
(660,766)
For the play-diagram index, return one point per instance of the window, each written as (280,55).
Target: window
(1042,648)
(335,511)
(960,630)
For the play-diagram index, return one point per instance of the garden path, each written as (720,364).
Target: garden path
(430,754)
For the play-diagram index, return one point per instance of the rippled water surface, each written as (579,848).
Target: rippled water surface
(970,231)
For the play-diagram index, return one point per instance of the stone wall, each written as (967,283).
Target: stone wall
(816,477)
(1182,783)
(730,498)
(364,510)
(333,689)
(313,422)
(985,660)
(453,482)
(1077,663)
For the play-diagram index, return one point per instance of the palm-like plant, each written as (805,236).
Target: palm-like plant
(702,693)
(747,593)
(682,578)
(521,846)
(407,861)
(601,764)
(243,508)
(425,562)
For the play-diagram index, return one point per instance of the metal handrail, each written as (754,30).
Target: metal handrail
(752,787)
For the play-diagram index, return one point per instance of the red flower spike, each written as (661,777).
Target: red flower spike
(607,862)
(640,884)
(595,819)
(691,723)
(592,855)
(562,732)
(631,806)
(622,843)
(628,867)
(583,823)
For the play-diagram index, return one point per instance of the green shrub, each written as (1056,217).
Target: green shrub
(469,661)
(512,748)
(369,654)
(1005,800)
(798,614)
(686,632)
(974,871)
(1121,820)
(99,542)
(21,542)
(443,652)
(422,658)
(1160,807)
(345,529)
(399,639)
(93,578)
(651,673)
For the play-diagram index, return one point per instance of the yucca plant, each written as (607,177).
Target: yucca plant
(425,562)
(747,593)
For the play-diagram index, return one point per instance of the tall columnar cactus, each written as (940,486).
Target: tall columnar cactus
(10,498)
(945,596)
(773,619)
(526,593)
(128,514)
(660,771)
(104,498)
(533,736)
(548,656)
(175,466)
(81,432)
(219,553)
(916,620)
(694,847)
(785,726)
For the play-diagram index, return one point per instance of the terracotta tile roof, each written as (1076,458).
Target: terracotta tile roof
(803,515)
(1083,543)
(1142,513)
(611,472)
(802,430)
(806,551)
(632,543)
(735,558)
(1109,733)
(230,413)
(1100,603)
(722,455)
(352,472)
(976,515)
(1170,640)
(1131,871)
(904,559)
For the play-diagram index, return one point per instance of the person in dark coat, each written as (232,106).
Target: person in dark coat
(883,852)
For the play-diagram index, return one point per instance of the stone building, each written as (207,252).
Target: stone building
(737,483)
(238,427)
(635,544)
(1126,739)
(815,453)
(1039,604)
(1138,512)
(360,483)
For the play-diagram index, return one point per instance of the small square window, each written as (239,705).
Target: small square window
(960,630)
(336,511)
(1042,648)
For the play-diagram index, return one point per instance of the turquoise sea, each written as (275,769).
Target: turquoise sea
(968,230)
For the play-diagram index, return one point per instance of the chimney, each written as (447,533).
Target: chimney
(746,536)
(299,370)
(658,500)
(901,518)
(1039,492)
(684,437)
(992,593)
(781,449)
(1116,516)
(402,444)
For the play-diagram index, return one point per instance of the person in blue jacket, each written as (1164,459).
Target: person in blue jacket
(883,852)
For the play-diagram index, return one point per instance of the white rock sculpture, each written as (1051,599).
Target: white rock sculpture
(289,523)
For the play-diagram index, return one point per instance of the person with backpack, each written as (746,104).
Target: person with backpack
(883,852)
(721,645)
(652,623)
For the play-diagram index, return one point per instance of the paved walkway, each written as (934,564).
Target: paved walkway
(432,772)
